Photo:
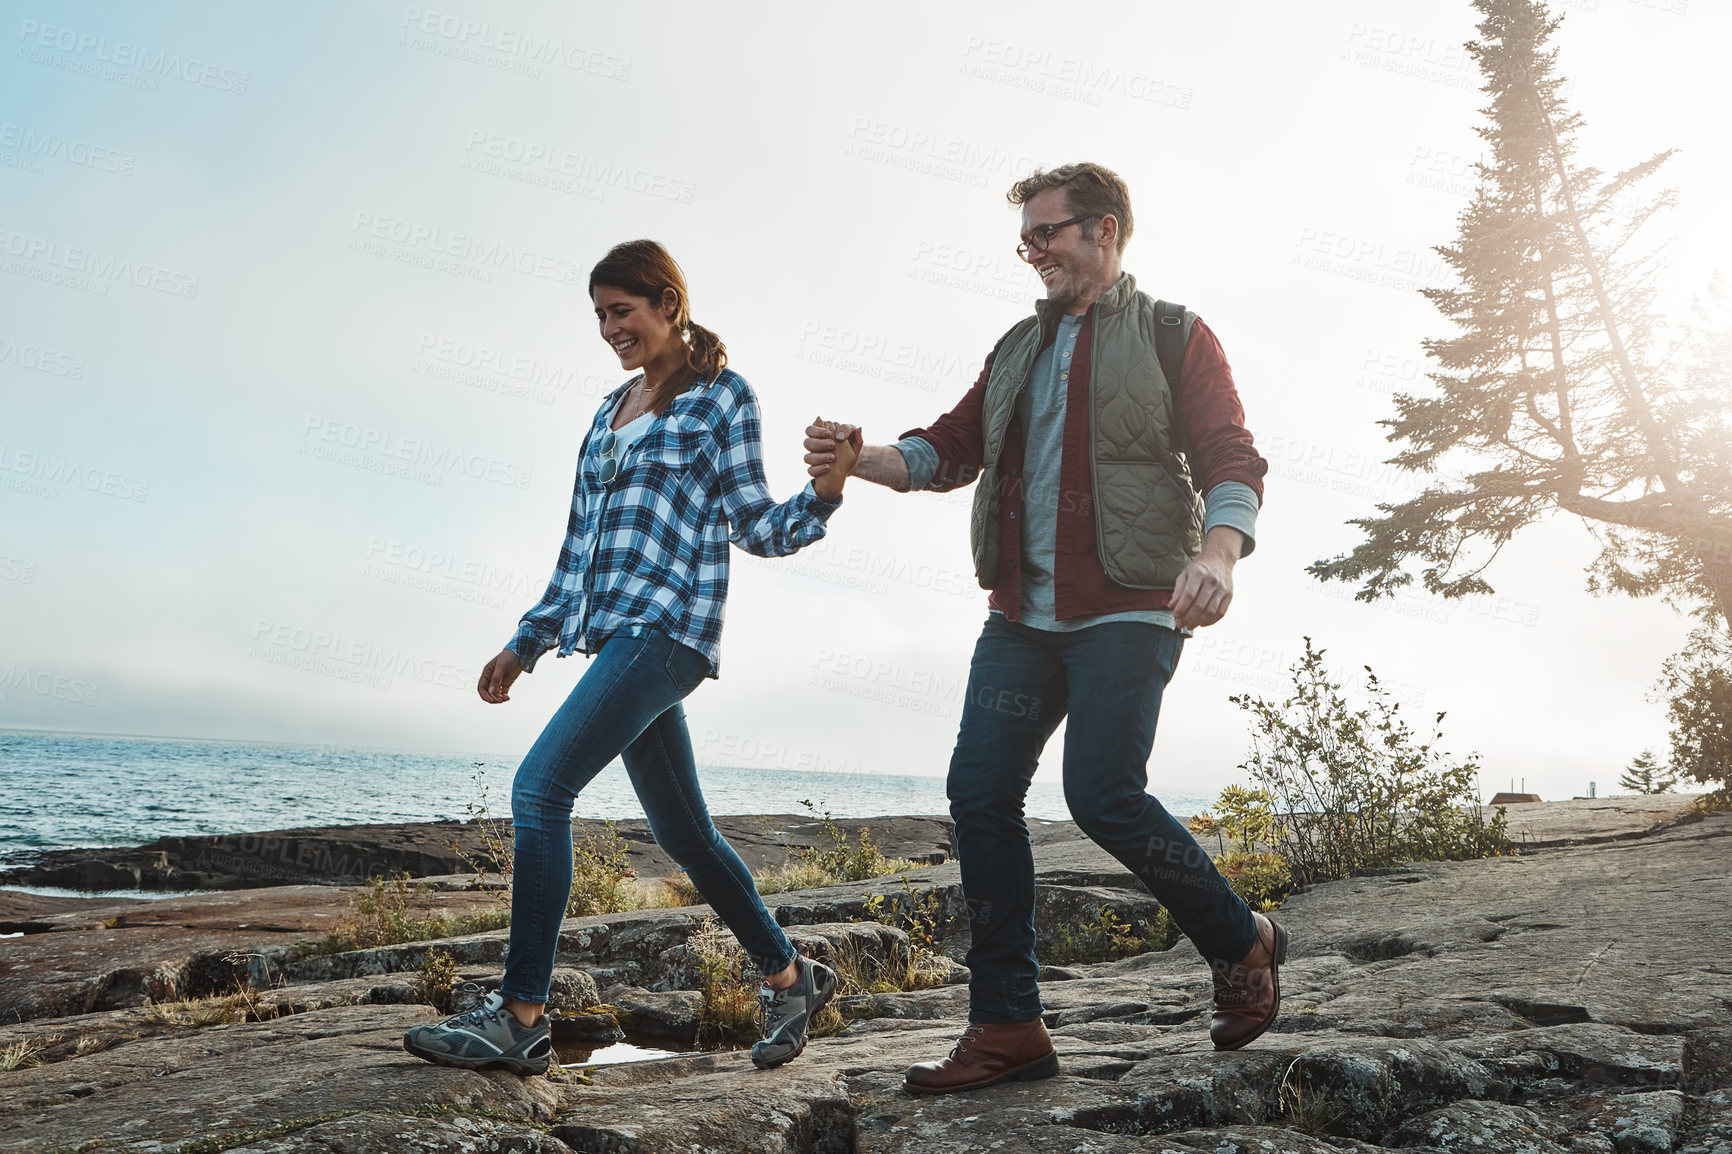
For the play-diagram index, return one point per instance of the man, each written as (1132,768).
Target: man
(1088,530)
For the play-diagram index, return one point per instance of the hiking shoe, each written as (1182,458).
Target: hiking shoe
(783,1015)
(486,1037)
(988,1053)
(1248,992)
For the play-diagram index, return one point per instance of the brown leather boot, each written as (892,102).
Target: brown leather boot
(1248,992)
(987,1054)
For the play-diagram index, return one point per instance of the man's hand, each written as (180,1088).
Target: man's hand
(845,443)
(880,464)
(1205,589)
(495,684)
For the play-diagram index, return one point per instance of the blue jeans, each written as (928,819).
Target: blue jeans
(1108,678)
(627,703)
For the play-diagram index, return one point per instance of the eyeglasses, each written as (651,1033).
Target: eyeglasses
(609,467)
(1038,237)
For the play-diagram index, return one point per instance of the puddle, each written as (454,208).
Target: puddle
(618,1053)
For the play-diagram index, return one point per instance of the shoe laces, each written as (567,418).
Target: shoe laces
(969,1036)
(769,1001)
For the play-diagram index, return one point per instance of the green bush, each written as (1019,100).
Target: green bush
(1107,938)
(385,915)
(601,876)
(1350,789)
(833,863)
(1257,873)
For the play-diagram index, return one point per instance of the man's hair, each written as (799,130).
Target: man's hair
(1088,188)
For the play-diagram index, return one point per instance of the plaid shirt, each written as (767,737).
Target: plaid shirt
(651,550)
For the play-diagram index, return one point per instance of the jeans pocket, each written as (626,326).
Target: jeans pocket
(686,667)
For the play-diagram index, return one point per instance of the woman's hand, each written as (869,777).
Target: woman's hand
(845,444)
(495,684)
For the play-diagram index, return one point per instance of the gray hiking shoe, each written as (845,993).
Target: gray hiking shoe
(483,1038)
(783,1015)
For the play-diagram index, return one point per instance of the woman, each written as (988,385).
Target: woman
(670,472)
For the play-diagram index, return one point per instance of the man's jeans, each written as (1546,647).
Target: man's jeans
(627,703)
(1108,678)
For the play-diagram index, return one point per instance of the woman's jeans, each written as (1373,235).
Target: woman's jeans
(1108,678)
(627,703)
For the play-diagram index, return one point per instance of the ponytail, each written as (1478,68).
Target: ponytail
(708,355)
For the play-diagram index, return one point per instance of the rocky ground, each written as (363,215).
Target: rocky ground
(1577,997)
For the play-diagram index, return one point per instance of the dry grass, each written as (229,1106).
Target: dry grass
(1308,1113)
(834,864)
(386,915)
(727,979)
(197,1013)
(19,1055)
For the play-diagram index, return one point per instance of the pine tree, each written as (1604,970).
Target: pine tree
(1646,775)
(1555,393)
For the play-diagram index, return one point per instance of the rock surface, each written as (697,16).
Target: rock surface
(350,854)
(1572,999)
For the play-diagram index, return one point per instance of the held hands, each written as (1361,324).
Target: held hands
(821,446)
(495,684)
(833,449)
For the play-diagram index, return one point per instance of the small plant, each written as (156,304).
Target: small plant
(19,1055)
(200,1013)
(1309,1113)
(92,1044)
(917,916)
(601,876)
(1244,818)
(1646,775)
(729,1016)
(908,911)
(385,915)
(1107,938)
(497,839)
(680,890)
(438,976)
(833,863)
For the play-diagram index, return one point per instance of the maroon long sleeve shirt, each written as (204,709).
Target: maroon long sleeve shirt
(1218,446)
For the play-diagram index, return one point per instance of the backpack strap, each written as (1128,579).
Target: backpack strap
(1170,335)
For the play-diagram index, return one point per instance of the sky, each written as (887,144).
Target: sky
(295,352)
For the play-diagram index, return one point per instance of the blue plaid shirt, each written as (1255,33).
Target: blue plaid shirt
(651,549)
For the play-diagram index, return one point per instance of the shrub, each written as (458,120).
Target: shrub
(1259,875)
(601,876)
(1354,789)
(385,916)
(1106,939)
(727,981)
(833,863)
(438,976)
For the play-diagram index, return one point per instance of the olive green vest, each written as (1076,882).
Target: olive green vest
(1148,514)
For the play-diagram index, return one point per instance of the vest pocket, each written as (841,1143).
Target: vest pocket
(1150,524)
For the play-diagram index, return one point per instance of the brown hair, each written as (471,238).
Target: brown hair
(643,268)
(1088,188)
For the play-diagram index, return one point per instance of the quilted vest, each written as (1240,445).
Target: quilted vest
(1148,514)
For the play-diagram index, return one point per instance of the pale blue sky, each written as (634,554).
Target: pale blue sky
(833,186)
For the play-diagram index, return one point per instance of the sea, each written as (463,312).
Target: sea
(61,790)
